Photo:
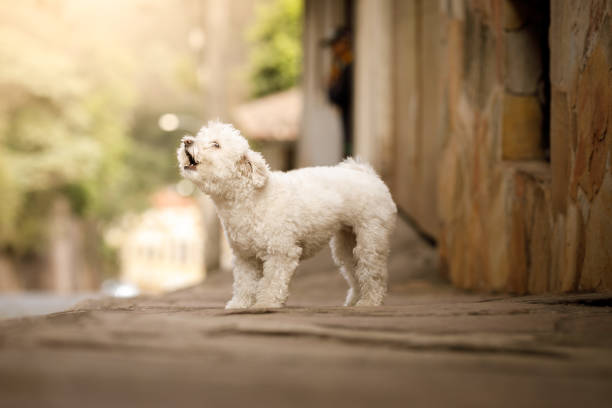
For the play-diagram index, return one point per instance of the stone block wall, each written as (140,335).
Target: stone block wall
(581,159)
(490,121)
(510,220)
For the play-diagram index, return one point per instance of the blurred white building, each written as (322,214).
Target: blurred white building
(161,249)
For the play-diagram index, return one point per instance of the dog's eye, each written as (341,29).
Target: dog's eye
(216,145)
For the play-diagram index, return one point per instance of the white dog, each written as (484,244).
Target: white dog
(274,219)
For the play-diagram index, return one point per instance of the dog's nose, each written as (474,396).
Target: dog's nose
(187,142)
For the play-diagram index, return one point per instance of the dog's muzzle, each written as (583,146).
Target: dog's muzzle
(193,164)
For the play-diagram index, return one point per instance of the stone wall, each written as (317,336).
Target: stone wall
(490,120)
(500,134)
(510,219)
(581,80)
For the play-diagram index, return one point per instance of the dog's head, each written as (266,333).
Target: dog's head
(219,161)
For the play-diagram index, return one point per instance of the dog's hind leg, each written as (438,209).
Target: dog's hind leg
(371,254)
(342,244)
(247,273)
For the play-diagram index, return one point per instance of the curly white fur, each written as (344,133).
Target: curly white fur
(274,219)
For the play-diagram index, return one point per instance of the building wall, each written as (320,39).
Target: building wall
(161,249)
(581,159)
(399,117)
(321,141)
(373,95)
(419,129)
(511,220)
(489,209)
(515,185)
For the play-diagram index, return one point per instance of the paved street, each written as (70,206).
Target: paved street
(32,303)
(430,345)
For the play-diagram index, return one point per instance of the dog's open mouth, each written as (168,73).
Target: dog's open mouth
(192,162)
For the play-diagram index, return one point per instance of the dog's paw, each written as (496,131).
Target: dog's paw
(351,298)
(267,305)
(368,303)
(237,304)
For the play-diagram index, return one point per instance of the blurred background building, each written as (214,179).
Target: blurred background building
(489,119)
(162,248)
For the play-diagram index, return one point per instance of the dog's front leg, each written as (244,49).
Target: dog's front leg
(273,288)
(247,274)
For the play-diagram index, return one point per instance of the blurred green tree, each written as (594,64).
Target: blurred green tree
(276,48)
(64,130)
(79,108)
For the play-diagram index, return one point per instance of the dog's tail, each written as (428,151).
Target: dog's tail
(359,165)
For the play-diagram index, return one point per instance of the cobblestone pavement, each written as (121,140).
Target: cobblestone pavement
(430,345)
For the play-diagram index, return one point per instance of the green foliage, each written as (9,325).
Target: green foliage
(9,199)
(64,131)
(81,92)
(276,55)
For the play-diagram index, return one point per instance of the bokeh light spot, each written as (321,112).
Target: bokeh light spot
(168,122)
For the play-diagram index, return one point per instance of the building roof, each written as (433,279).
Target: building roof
(275,117)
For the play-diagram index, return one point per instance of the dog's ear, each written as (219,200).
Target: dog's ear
(253,165)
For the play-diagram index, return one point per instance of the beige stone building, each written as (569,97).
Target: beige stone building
(491,121)
(161,249)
